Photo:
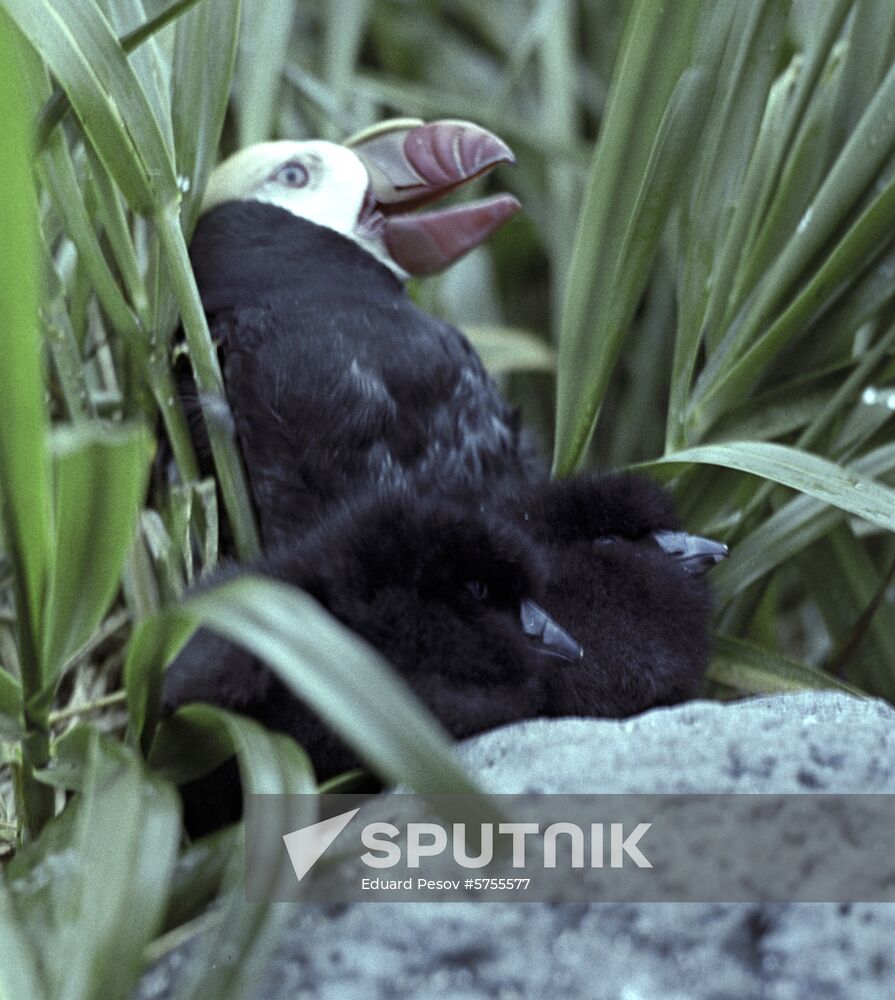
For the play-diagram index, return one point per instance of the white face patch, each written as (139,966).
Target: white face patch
(315,180)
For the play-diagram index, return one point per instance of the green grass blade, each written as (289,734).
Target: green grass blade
(344,28)
(848,181)
(752,669)
(790,529)
(25,503)
(842,581)
(870,43)
(149,61)
(83,53)
(744,79)
(114,902)
(235,952)
(345,681)
(21,973)
(58,105)
(337,674)
(199,92)
(804,171)
(846,259)
(24,454)
(793,99)
(868,623)
(843,488)
(100,482)
(651,118)
(10,707)
(59,178)
(210,382)
(269,763)
(153,643)
(263,44)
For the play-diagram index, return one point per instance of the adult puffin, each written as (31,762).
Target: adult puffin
(336,380)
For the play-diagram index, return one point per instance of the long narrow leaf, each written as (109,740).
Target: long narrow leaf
(789,530)
(199,92)
(24,455)
(800,470)
(100,483)
(643,136)
(754,670)
(345,681)
(21,974)
(84,54)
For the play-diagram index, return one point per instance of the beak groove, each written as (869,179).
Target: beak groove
(695,554)
(548,637)
(411,164)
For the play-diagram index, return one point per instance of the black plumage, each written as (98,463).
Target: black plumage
(627,583)
(336,380)
(439,589)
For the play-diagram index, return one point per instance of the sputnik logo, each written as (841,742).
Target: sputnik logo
(308,845)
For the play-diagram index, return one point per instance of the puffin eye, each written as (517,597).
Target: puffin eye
(293,174)
(478,589)
(606,539)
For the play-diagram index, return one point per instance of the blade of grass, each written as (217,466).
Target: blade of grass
(199,91)
(263,44)
(842,582)
(745,76)
(234,954)
(731,369)
(210,383)
(59,178)
(327,666)
(81,50)
(24,455)
(752,669)
(10,707)
(788,531)
(21,973)
(344,27)
(800,470)
(861,242)
(850,643)
(127,842)
(762,184)
(100,481)
(58,105)
(655,107)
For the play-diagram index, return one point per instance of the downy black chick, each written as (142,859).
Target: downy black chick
(445,593)
(628,583)
(337,382)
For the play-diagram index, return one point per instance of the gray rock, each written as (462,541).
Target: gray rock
(803,742)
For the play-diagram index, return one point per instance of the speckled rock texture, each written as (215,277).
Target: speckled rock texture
(806,742)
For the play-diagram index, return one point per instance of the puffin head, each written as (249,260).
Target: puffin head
(369,188)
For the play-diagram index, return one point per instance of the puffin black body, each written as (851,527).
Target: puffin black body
(628,584)
(341,388)
(445,593)
(336,380)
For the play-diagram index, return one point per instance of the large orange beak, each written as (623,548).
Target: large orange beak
(411,164)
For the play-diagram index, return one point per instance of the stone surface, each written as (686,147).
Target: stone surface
(806,742)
